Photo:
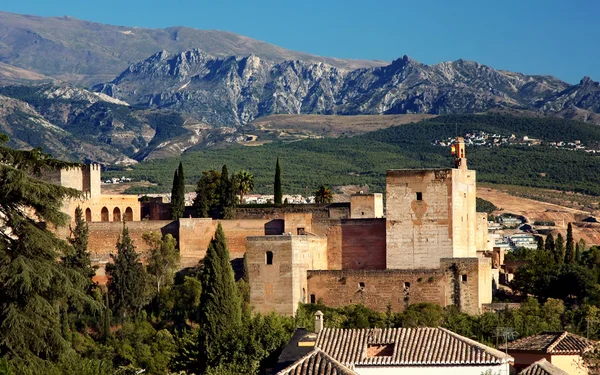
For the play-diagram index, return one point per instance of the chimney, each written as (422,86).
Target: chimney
(318,321)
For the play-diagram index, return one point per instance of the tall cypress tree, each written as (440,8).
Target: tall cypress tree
(220,306)
(559,249)
(127,282)
(277,185)
(540,243)
(79,258)
(33,283)
(178,194)
(226,195)
(549,244)
(570,248)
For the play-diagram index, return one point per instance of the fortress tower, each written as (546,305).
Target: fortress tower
(431,214)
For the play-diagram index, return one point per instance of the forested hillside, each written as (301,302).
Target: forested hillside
(364,159)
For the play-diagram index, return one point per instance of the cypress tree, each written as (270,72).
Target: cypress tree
(127,282)
(540,243)
(226,201)
(178,194)
(33,283)
(549,244)
(277,185)
(559,249)
(220,307)
(79,259)
(570,248)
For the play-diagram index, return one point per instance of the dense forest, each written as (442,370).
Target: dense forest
(363,160)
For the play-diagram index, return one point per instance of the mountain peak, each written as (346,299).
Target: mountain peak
(587,81)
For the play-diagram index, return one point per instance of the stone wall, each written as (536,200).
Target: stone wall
(481,235)
(455,282)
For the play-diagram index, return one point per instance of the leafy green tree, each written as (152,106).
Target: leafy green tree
(570,247)
(278,192)
(226,195)
(79,258)
(323,195)
(32,282)
(207,194)
(579,250)
(178,194)
(163,258)
(422,315)
(127,277)
(244,183)
(559,249)
(220,312)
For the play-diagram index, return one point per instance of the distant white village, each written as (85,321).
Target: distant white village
(481,138)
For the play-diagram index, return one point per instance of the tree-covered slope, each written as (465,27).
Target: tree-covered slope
(364,159)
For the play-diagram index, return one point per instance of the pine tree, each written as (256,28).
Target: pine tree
(79,258)
(570,248)
(178,194)
(33,283)
(278,194)
(127,277)
(220,306)
(559,249)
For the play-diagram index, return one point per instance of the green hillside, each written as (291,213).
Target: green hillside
(364,159)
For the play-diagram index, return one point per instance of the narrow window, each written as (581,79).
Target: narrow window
(88,214)
(361,285)
(303,295)
(313,298)
(301,231)
(269,256)
(463,278)
(419,196)
(406,285)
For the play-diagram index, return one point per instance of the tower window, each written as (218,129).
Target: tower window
(419,196)
(361,285)
(463,278)
(406,285)
(269,257)
(313,298)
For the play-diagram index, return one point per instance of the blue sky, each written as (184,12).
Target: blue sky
(554,37)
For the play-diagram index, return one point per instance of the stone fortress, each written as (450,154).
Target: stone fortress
(429,246)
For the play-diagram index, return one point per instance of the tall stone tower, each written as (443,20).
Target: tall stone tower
(91,179)
(431,214)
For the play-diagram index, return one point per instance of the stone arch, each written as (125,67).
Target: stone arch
(116,214)
(128,214)
(104,214)
(88,214)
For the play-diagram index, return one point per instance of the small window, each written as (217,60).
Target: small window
(313,298)
(269,256)
(419,196)
(463,278)
(361,285)
(301,231)
(406,285)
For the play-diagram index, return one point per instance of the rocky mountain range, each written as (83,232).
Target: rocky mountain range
(233,91)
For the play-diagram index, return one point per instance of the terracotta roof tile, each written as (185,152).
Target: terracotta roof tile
(543,367)
(316,363)
(407,346)
(552,343)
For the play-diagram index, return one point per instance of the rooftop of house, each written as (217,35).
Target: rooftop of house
(301,344)
(317,362)
(542,367)
(552,343)
(405,346)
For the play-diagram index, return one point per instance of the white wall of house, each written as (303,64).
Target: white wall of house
(434,370)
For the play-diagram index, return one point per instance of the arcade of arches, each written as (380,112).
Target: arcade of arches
(106,208)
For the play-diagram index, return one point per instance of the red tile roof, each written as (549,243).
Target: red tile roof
(543,367)
(409,346)
(552,343)
(316,363)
